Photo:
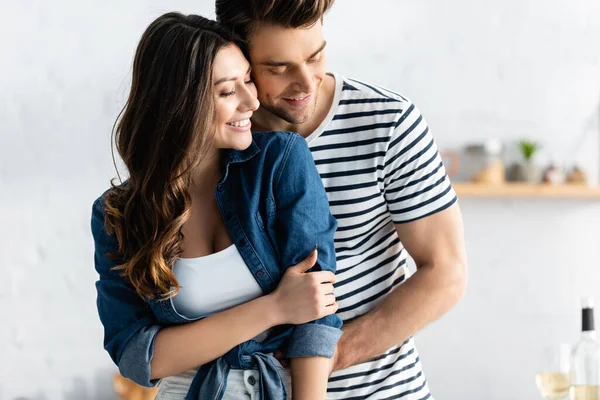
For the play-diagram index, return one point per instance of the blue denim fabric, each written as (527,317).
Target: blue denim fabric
(276,210)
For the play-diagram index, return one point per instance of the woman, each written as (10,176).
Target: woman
(192,249)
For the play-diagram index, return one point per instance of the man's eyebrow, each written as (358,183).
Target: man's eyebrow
(320,49)
(287,63)
(227,79)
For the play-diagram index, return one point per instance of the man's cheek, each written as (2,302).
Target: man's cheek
(269,87)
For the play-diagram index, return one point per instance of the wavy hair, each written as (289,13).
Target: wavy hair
(161,134)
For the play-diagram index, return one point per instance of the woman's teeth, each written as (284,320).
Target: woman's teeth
(239,124)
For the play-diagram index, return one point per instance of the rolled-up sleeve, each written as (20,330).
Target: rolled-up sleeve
(130,326)
(303,220)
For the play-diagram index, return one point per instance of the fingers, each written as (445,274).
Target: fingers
(332,306)
(323,276)
(307,263)
(330,300)
(326,288)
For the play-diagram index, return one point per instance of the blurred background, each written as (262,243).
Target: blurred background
(511,90)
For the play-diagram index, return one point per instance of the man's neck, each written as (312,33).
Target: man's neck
(263,120)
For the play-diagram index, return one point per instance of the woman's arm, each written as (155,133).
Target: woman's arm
(303,219)
(145,351)
(183,347)
(180,348)
(309,377)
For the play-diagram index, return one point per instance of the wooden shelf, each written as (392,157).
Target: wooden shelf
(467,189)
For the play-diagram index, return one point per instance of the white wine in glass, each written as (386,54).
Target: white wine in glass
(553,380)
(585,392)
(553,385)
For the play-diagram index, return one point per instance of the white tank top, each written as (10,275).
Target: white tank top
(213,283)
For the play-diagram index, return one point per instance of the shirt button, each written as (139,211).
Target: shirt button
(251,380)
(242,243)
(220,187)
(260,274)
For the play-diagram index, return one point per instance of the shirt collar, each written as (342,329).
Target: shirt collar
(239,156)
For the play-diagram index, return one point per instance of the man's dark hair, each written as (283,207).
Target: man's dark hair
(242,16)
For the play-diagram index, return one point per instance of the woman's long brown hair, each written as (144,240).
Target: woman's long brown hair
(161,134)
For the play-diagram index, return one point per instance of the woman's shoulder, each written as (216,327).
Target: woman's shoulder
(278,144)
(286,153)
(99,205)
(274,138)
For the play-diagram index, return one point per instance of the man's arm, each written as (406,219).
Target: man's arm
(436,243)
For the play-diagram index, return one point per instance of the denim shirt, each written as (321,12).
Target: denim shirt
(276,210)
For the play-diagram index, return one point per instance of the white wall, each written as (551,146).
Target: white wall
(476,69)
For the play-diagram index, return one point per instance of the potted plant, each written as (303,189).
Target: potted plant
(530,170)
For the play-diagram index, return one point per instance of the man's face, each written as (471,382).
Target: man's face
(288,69)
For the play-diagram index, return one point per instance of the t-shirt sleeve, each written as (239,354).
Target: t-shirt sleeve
(415,181)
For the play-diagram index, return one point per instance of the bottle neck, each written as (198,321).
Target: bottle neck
(588,335)
(587,322)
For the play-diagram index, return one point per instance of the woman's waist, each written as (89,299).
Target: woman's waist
(177,386)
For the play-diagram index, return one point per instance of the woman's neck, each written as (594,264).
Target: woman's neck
(207,174)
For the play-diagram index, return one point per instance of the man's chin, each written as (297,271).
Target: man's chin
(295,117)
(298,120)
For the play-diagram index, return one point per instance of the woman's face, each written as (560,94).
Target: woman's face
(235,99)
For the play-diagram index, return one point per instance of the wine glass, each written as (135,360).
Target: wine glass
(553,378)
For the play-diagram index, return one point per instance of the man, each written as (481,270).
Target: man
(387,188)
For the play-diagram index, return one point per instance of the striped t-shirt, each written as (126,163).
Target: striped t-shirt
(380,166)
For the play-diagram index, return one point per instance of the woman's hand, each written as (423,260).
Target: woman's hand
(303,296)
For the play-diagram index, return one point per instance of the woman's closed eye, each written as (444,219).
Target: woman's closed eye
(227,94)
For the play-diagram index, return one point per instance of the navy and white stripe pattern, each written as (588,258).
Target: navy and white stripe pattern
(380,167)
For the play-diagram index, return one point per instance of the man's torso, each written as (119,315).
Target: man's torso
(350,151)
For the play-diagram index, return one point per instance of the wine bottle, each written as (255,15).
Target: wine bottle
(585,358)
